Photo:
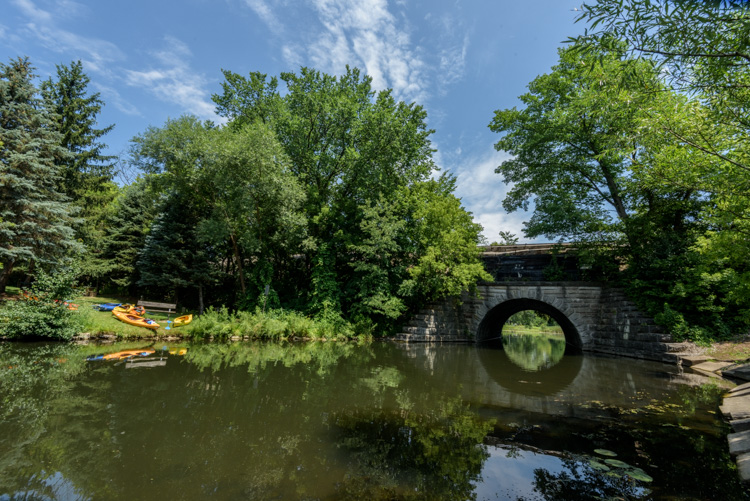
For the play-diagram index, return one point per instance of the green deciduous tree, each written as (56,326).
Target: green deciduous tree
(254,196)
(702,50)
(591,152)
(380,264)
(363,159)
(446,257)
(575,144)
(35,218)
(246,199)
(346,143)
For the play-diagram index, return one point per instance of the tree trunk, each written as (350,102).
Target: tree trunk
(238,261)
(614,192)
(5,274)
(200,299)
(28,280)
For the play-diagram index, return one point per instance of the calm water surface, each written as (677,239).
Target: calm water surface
(349,421)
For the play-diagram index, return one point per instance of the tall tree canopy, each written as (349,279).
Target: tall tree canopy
(320,195)
(246,200)
(579,146)
(361,156)
(86,173)
(35,217)
(591,153)
(87,168)
(346,143)
(702,50)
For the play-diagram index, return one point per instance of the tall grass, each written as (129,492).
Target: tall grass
(273,325)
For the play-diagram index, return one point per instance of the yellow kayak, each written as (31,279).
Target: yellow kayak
(136,320)
(183,320)
(129,309)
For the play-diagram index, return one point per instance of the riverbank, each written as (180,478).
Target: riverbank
(730,361)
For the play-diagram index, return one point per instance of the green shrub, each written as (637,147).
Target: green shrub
(681,330)
(43,313)
(273,324)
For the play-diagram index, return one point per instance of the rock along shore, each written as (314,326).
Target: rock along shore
(735,407)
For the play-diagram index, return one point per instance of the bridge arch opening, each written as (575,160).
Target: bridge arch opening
(491,327)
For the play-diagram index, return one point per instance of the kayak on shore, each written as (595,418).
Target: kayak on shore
(135,320)
(106,306)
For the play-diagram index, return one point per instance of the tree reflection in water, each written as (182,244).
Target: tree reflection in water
(405,454)
(534,352)
(533,340)
(333,421)
(579,482)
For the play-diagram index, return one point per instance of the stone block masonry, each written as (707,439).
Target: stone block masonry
(595,317)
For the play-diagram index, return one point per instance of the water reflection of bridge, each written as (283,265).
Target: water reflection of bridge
(579,386)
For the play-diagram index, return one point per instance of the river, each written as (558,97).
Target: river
(355,421)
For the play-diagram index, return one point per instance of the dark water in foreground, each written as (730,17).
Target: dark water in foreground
(347,421)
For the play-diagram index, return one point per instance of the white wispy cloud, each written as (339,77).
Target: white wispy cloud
(365,33)
(293,55)
(265,12)
(453,63)
(171,79)
(482,192)
(113,97)
(30,9)
(94,52)
(331,34)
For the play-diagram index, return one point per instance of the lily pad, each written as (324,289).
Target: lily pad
(617,463)
(640,475)
(605,452)
(598,466)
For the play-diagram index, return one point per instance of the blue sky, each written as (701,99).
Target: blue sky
(460,59)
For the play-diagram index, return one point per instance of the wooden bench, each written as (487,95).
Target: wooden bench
(167,308)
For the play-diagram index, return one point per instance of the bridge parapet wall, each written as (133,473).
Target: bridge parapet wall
(595,318)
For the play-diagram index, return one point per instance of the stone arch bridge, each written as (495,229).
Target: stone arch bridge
(595,317)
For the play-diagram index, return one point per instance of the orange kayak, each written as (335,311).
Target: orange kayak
(136,320)
(127,354)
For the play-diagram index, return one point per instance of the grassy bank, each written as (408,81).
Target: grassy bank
(545,330)
(218,324)
(273,324)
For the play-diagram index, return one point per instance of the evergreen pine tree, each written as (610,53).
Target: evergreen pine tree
(86,174)
(127,226)
(174,260)
(35,218)
(87,168)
